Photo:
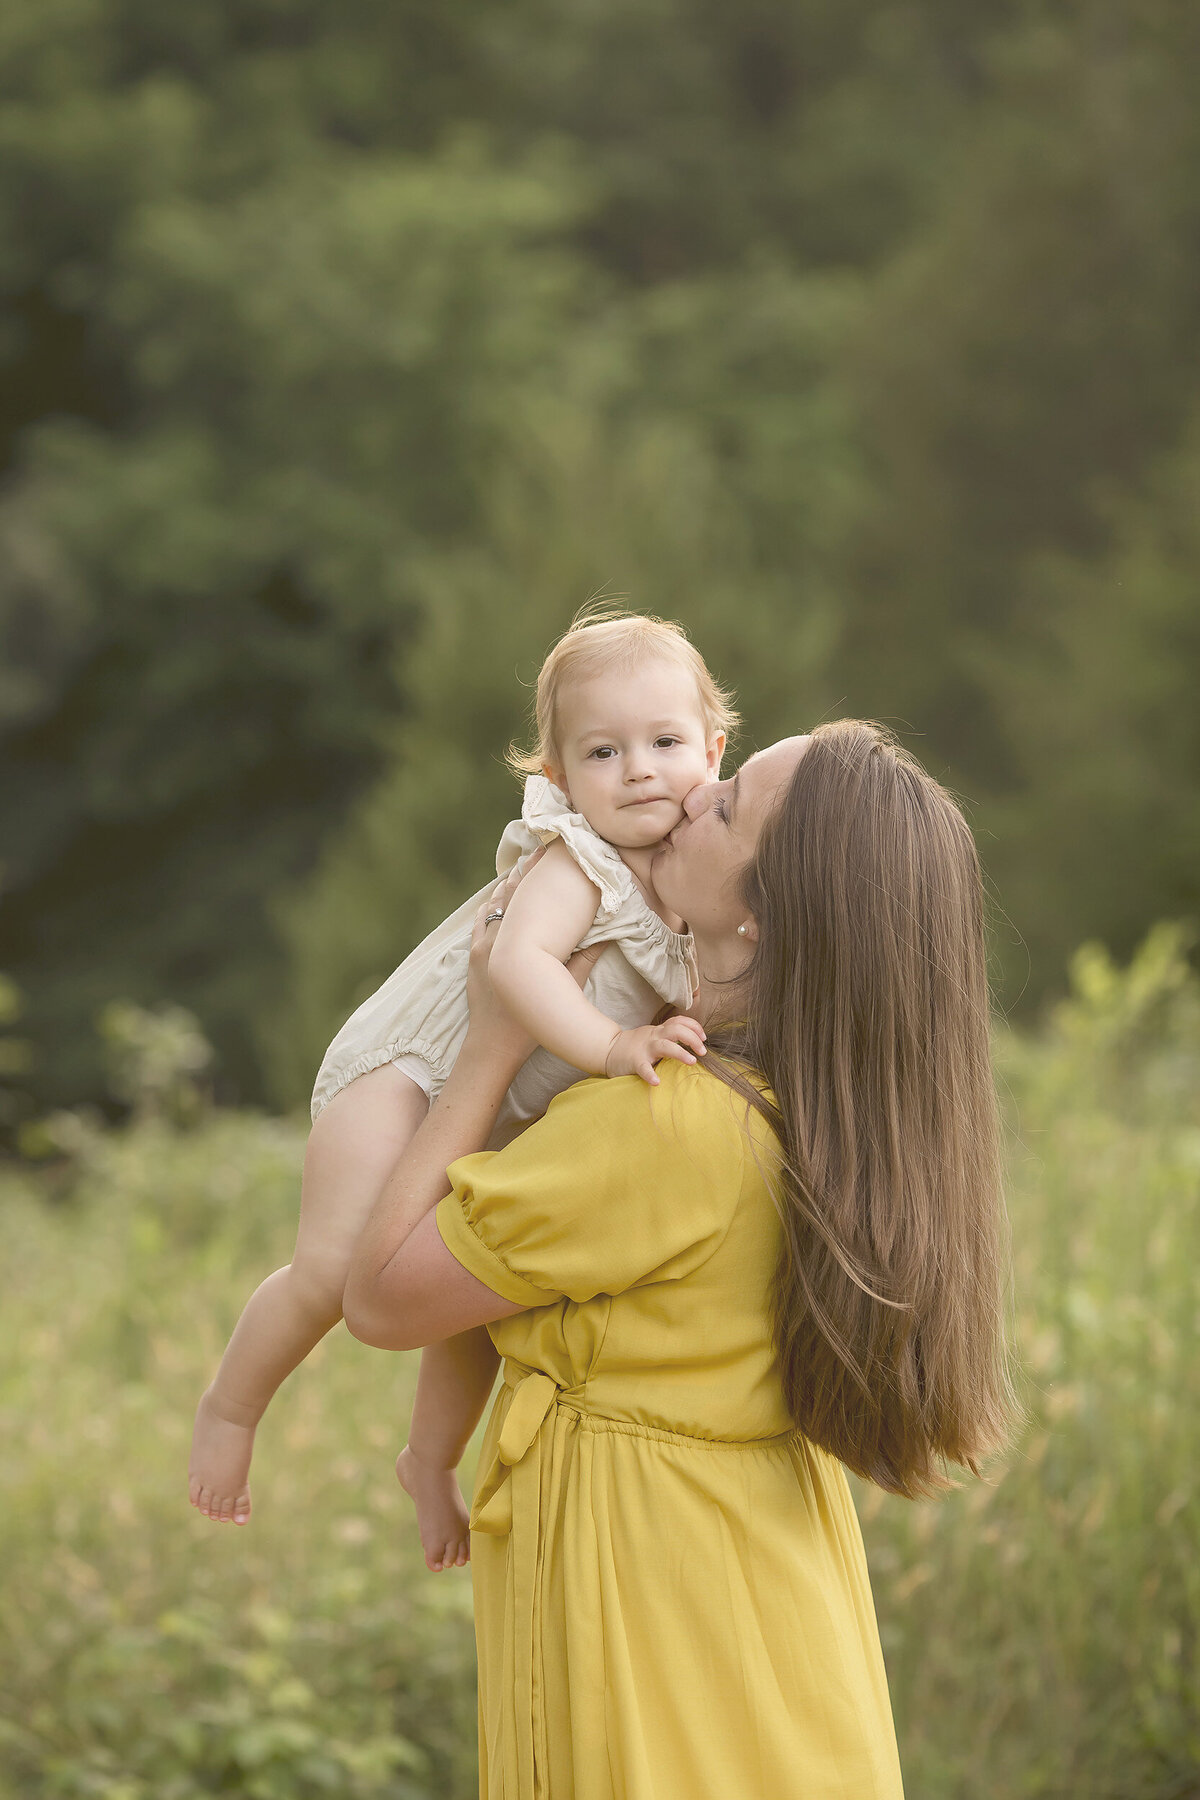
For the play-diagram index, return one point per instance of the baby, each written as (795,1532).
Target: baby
(629,720)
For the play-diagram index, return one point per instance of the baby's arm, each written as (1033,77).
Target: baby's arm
(547,916)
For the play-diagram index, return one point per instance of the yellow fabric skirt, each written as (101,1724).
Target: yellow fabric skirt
(665,1617)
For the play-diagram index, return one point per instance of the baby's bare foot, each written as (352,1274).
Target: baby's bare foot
(220,1465)
(441,1511)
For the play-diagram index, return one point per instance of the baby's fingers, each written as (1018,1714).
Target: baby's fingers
(685,1031)
(679,1051)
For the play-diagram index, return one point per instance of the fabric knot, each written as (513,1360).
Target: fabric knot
(533,1397)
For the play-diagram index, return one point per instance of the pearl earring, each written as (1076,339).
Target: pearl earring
(743,930)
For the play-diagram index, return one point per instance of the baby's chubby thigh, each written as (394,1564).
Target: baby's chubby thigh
(355,1142)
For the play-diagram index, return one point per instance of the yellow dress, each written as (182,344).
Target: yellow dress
(671,1597)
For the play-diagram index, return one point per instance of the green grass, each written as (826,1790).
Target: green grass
(1040,1629)
(146,1654)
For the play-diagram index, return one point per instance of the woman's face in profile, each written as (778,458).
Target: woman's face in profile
(697,871)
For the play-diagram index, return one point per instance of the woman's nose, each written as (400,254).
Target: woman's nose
(698,800)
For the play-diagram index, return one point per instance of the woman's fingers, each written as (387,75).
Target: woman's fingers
(508,884)
(505,887)
(483,933)
(583,962)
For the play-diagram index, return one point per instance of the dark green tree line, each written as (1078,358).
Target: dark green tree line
(345,351)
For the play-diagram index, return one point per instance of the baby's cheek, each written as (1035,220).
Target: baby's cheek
(696,774)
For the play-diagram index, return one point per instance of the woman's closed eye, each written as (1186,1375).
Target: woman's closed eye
(721,809)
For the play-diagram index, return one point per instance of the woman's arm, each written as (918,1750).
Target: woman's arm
(405,1289)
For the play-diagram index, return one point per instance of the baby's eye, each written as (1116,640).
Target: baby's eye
(659,743)
(602,752)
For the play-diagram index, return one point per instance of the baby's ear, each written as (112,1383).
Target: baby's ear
(557,777)
(714,752)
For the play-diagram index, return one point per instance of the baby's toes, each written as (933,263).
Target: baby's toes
(241,1509)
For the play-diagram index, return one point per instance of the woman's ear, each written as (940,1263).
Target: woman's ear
(714,751)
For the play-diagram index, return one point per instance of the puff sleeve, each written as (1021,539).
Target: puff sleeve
(618,1186)
(546,815)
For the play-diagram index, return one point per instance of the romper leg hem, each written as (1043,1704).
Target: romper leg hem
(330,1084)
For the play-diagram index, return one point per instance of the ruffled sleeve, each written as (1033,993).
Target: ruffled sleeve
(586,1201)
(546,814)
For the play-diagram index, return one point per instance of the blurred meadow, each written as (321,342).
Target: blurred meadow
(1040,1627)
(345,351)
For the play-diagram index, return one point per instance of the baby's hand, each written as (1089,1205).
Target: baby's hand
(636,1052)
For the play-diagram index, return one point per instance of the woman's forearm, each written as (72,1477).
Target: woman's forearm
(459,1122)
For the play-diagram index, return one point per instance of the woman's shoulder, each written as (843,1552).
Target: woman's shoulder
(692,1113)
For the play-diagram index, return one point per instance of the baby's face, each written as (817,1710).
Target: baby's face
(633,745)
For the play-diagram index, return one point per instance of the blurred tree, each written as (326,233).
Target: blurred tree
(1021,369)
(206,579)
(345,351)
(1099,688)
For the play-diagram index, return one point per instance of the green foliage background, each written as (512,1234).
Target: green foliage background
(1040,1628)
(345,350)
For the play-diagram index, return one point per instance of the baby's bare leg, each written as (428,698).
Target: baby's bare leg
(453,1384)
(352,1148)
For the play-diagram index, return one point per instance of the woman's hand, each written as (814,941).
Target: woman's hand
(493,1032)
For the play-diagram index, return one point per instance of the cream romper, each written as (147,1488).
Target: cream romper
(418,1018)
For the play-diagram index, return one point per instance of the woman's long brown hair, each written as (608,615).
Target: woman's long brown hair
(866,1010)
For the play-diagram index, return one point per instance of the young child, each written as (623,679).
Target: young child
(629,720)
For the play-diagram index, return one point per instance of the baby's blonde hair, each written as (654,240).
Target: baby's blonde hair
(614,639)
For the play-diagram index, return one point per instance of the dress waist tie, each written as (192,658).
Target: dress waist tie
(508,1503)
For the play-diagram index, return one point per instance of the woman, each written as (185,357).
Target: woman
(707,1294)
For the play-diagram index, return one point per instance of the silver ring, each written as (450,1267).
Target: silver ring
(490,918)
